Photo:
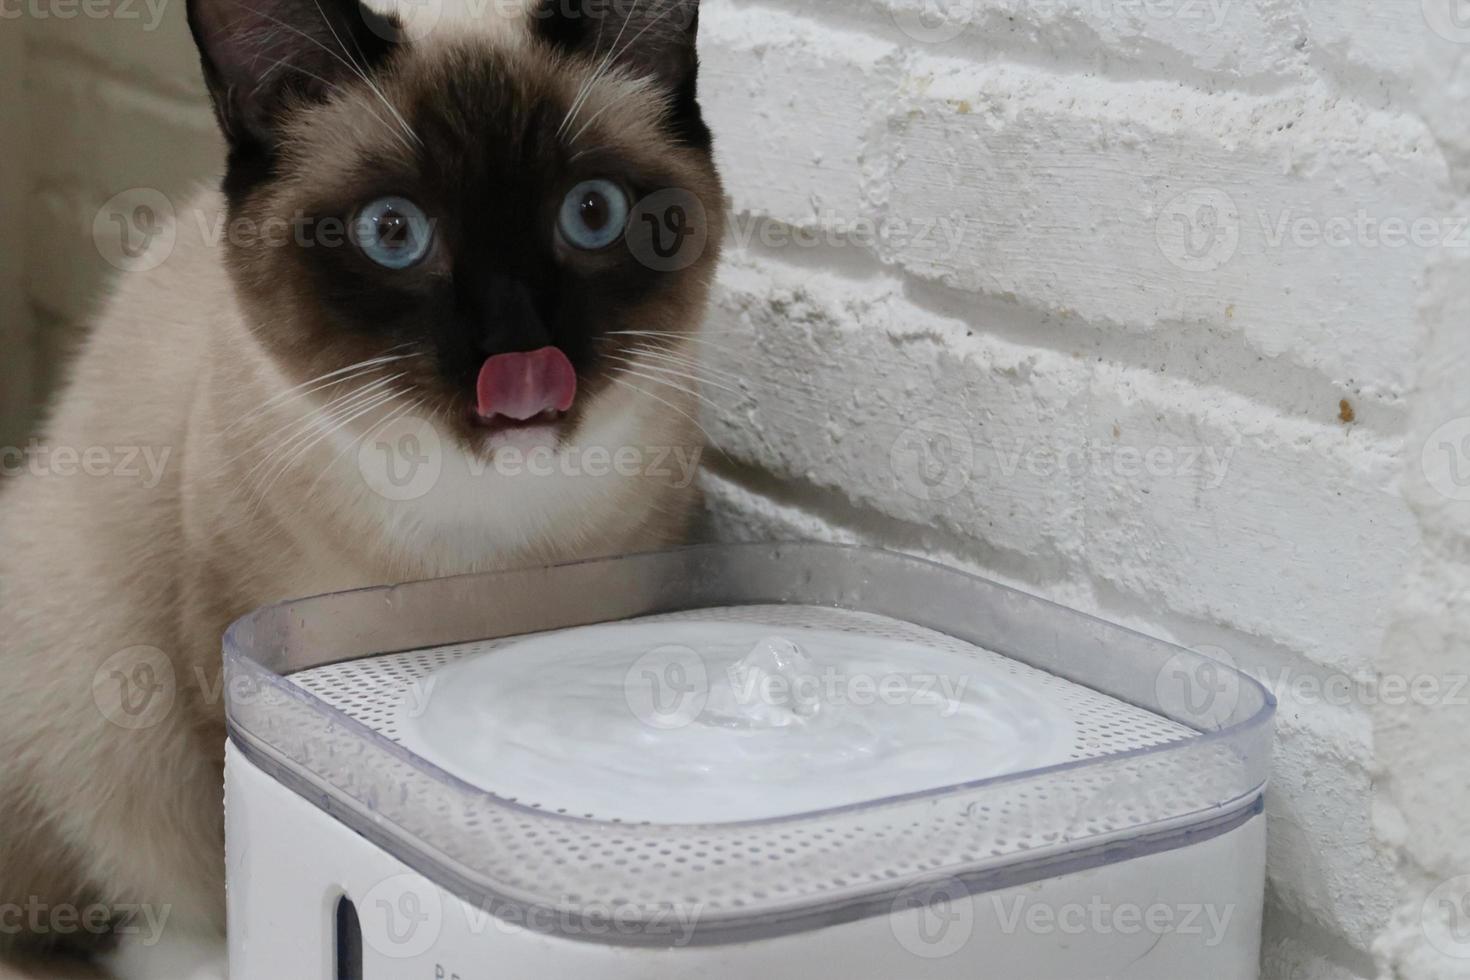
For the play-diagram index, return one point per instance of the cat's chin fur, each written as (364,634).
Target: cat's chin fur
(104,575)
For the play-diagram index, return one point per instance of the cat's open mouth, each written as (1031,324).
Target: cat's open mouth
(499,423)
(525,390)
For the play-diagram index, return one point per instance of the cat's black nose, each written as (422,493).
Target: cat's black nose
(509,317)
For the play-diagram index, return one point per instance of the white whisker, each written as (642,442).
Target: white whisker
(338,425)
(677,337)
(626,48)
(586,89)
(321,381)
(367,434)
(693,364)
(679,374)
(403,124)
(315,420)
(667,404)
(361,72)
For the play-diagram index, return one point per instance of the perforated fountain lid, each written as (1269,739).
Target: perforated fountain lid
(1165,746)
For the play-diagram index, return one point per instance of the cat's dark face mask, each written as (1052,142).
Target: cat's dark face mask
(510,218)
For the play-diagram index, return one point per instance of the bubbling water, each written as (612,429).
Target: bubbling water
(714,722)
(776,685)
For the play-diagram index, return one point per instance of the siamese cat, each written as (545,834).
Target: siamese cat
(433,260)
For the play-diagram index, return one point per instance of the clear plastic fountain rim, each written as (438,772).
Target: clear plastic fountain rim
(572,877)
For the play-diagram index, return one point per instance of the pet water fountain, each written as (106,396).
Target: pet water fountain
(735,761)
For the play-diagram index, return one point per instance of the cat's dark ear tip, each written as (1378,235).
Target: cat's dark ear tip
(263,57)
(652,37)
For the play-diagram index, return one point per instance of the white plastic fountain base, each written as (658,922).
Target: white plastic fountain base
(404,800)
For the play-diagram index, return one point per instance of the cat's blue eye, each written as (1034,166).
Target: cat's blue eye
(394,232)
(593,215)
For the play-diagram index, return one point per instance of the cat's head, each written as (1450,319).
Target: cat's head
(511,205)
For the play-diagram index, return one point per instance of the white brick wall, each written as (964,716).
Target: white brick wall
(1200,429)
(1142,413)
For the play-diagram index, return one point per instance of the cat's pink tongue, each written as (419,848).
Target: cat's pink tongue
(522,386)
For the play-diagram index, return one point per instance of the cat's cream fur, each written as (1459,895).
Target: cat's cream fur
(94,565)
(102,574)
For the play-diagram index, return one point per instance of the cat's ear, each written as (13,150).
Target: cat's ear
(653,38)
(261,56)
